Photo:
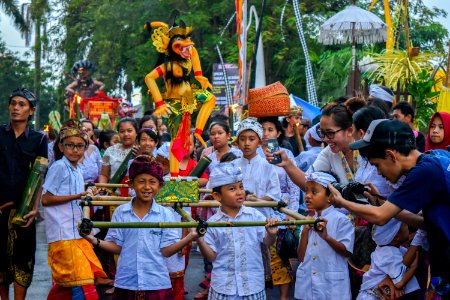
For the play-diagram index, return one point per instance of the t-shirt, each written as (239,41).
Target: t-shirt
(425,189)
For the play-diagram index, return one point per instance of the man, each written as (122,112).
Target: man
(381,92)
(291,121)
(404,112)
(390,146)
(19,147)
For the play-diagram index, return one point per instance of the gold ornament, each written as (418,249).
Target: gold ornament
(161,39)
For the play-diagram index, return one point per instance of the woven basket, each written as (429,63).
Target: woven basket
(269,101)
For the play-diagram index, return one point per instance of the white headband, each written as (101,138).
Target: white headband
(383,235)
(378,92)
(313,132)
(321,178)
(250,124)
(225,173)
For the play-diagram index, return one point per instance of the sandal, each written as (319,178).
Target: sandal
(202,295)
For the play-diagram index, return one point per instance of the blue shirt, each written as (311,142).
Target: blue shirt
(141,265)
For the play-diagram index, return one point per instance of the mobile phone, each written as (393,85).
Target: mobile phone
(272,145)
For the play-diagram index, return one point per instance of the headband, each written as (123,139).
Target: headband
(378,92)
(321,178)
(225,173)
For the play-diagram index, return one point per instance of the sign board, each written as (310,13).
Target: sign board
(218,81)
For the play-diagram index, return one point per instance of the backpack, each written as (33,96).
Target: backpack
(444,160)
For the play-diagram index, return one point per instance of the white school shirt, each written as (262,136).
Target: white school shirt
(369,173)
(176,263)
(387,260)
(260,178)
(238,268)
(61,220)
(323,274)
(141,265)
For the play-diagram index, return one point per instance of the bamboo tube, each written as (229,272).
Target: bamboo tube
(184,214)
(195,224)
(298,138)
(86,211)
(291,213)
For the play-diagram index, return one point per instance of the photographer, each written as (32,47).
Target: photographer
(390,146)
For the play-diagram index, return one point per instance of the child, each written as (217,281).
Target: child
(323,271)
(390,259)
(147,139)
(260,177)
(238,271)
(71,258)
(142,271)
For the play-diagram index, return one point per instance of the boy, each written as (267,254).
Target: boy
(238,271)
(390,146)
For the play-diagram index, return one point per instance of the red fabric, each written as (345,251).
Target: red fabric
(178,288)
(159,103)
(160,71)
(445,117)
(90,293)
(198,73)
(181,143)
(190,166)
(124,190)
(58,292)
(198,131)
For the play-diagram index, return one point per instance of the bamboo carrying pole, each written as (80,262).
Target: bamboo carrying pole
(195,224)
(122,185)
(203,203)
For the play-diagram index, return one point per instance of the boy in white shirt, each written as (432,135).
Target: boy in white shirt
(235,252)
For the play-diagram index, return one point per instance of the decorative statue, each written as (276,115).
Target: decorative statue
(84,85)
(182,96)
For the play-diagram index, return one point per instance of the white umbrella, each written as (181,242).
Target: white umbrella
(353,25)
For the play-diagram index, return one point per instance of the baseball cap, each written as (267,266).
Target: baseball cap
(24,93)
(386,132)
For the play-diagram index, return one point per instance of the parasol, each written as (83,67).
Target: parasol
(353,25)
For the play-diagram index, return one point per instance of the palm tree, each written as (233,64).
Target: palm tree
(11,9)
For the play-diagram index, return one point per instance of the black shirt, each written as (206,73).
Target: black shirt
(17,156)
(293,141)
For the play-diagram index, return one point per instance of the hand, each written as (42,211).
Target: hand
(30,217)
(271,228)
(81,194)
(92,191)
(322,229)
(136,150)
(387,288)
(250,197)
(204,82)
(162,111)
(285,161)
(289,218)
(373,195)
(335,198)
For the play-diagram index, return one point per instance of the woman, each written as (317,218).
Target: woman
(438,136)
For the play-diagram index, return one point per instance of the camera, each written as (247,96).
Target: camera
(353,191)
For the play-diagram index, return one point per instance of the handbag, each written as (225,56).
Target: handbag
(269,101)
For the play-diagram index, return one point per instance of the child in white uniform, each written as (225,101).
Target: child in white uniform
(323,271)
(392,260)
(235,252)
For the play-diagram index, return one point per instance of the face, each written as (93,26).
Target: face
(357,134)
(270,131)
(337,138)
(88,128)
(248,142)
(437,130)
(388,167)
(398,115)
(149,124)
(293,120)
(20,109)
(231,195)
(163,128)
(146,143)
(316,196)
(146,187)
(73,148)
(127,134)
(218,136)
(182,46)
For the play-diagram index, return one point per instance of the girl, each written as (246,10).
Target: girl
(238,271)
(438,136)
(114,155)
(148,121)
(290,194)
(89,128)
(142,271)
(72,260)
(323,271)
(147,140)
(289,122)
(106,139)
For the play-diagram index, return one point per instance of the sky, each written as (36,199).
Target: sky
(16,44)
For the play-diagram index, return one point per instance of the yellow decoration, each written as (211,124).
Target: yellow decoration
(444,100)
(183,190)
(160,38)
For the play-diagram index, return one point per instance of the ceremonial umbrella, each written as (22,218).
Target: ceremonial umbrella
(353,25)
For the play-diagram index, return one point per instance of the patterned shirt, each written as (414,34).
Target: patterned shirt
(114,156)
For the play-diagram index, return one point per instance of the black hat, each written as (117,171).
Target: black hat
(387,133)
(24,93)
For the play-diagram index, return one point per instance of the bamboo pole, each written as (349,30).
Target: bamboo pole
(123,185)
(183,214)
(291,213)
(195,224)
(205,203)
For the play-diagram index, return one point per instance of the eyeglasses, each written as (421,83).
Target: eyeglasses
(329,134)
(73,146)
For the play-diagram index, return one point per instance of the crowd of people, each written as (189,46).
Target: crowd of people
(392,240)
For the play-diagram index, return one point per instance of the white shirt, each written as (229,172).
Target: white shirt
(387,260)
(329,161)
(323,274)
(61,220)
(175,263)
(141,265)
(260,178)
(238,268)
(369,173)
